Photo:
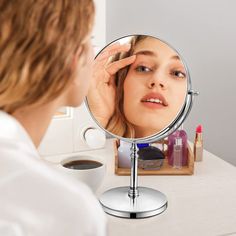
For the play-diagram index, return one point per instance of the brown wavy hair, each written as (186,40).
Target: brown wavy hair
(118,124)
(38,42)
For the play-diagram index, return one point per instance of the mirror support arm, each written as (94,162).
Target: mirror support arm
(133,191)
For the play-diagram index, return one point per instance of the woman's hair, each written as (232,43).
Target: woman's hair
(38,43)
(118,124)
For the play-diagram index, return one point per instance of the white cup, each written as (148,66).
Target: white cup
(92,177)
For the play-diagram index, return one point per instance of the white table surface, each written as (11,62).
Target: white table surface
(203,204)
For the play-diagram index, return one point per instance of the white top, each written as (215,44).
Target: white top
(35,199)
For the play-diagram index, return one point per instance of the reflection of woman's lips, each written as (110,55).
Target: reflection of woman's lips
(153,105)
(154,100)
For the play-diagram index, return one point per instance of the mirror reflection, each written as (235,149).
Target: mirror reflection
(139,86)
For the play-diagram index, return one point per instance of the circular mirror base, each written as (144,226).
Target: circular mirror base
(149,202)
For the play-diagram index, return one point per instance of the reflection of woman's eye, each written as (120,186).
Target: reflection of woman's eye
(178,73)
(143,69)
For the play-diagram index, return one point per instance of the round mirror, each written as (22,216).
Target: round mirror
(141,91)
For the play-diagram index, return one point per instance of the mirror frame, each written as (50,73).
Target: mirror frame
(179,119)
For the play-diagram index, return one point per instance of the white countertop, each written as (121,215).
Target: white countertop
(202,204)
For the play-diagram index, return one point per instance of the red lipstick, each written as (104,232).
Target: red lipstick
(198,144)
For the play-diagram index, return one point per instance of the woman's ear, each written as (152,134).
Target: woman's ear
(84,55)
(78,58)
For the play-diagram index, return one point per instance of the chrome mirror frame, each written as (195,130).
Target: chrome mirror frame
(141,202)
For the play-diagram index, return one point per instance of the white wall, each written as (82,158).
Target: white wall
(204,32)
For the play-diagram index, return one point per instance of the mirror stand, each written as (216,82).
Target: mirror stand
(133,201)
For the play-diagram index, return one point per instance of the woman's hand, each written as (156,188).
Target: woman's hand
(102,91)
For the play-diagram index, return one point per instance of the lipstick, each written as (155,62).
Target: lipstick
(198,144)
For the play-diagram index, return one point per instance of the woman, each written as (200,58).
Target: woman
(46,62)
(147,94)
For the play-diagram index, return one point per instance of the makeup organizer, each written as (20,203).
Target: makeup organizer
(166,169)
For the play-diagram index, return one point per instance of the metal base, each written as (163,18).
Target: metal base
(150,202)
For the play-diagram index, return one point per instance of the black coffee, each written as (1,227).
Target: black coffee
(82,164)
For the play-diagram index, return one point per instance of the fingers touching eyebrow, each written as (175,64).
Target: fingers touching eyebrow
(117,65)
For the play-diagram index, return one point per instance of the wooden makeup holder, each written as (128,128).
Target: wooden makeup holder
(166,169)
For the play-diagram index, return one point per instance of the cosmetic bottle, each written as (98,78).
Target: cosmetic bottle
(198,144)
(171,141)
(124,155)
(177,153)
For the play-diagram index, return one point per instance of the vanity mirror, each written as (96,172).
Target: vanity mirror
(141,93)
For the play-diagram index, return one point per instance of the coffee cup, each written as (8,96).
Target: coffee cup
(87,169)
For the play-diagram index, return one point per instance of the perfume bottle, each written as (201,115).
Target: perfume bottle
(177,153)
(171,141)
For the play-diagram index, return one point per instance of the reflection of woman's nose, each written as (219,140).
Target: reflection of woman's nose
(156,81)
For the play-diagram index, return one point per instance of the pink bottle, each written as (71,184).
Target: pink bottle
(171,141)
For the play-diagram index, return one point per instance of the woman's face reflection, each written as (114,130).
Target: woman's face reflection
(138,91)
(154,88)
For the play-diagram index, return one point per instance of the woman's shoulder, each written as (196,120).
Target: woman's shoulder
(30,185)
